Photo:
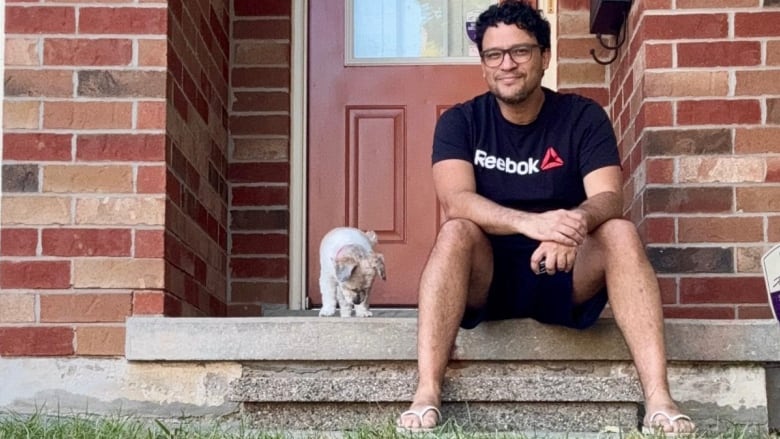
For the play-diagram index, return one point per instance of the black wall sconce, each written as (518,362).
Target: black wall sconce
(607,18)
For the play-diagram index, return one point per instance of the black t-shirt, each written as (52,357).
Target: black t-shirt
(535,167)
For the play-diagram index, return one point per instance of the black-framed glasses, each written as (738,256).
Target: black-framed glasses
(520,53)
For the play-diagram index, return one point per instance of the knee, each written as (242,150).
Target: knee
(459,231)
(618,231)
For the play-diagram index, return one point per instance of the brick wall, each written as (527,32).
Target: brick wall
(577,72)
(259,160)
(694,98)
(196,152)
(83,205)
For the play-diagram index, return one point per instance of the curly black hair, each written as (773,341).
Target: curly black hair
(516,12)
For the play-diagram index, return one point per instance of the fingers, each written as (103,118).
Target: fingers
(551,259)
(563,226)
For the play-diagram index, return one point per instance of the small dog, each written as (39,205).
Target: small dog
(348,265)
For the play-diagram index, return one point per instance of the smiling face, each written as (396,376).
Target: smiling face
(513,82)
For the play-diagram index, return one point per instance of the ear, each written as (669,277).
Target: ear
(379,265)
(344,268)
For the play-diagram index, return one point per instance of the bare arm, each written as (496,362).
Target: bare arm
(456,189)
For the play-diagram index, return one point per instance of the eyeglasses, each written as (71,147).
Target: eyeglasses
(520,53)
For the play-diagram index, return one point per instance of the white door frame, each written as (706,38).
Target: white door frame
(299,145)
(298,153)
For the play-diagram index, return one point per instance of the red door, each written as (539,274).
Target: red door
(369,165)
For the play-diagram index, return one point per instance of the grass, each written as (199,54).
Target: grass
(38,426)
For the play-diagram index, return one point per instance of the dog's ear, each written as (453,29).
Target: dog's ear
(379,265)
(344,268)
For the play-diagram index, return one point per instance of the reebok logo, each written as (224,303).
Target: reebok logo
(551,159)
(527,167)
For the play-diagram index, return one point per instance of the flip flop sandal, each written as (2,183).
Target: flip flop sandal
(420,414)
(658,428)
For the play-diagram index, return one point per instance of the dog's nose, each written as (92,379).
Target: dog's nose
(357,300)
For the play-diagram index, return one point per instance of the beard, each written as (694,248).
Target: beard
(519,95)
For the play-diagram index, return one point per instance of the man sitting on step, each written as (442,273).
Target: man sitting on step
(530,183)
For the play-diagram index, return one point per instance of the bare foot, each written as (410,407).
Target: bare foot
(420,416)
(668,418)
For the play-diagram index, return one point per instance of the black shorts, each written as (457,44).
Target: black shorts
(517,292)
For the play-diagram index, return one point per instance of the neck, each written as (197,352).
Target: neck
(525,112)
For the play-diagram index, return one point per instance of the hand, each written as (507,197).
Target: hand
(567,227)
(556,257)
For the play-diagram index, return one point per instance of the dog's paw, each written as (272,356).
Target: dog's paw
(327,312)
(363,313)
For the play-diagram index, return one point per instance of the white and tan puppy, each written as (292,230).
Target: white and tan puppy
(348,265)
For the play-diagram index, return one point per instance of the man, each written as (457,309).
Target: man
(531,185)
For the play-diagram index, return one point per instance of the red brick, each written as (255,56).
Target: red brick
(668,287)
(100,341)
(260,291)
(774,228)
(275,29)
(260,243)
(758,199)
(36,341)
(658,230)
(754,312)
(151,180)
(151,116)
(574,5)
(699,312)
(719,112)
(757,83)
(18,242)
(758,24)
(658,56)
(264,125)
(719,229)
(660,171)
(688,200)
(253,8)
(276,77)
(35,274)
(86,242)
(685,26)
(83,308)
(37,147)
(149,243)
(261,172)
(654,114)
(260,196)
(134,21)
(36,20)
(87,115)
(772,170)
(271,268)
(84,52)
(722,290)
(39,83)
(723,53)
(121,147)
(148,302)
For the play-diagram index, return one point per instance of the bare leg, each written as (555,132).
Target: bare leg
(458,272)
(614,252)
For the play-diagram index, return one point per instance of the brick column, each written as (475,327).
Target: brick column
(693,97)
(83,204)
(259,163)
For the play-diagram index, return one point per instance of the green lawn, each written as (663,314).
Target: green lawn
(13,426)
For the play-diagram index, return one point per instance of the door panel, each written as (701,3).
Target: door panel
(370,133)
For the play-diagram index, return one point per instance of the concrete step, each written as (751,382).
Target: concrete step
(472,416)
(465,381)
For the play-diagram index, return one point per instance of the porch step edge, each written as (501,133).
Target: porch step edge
(387,338)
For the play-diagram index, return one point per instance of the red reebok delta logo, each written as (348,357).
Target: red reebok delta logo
(551,159)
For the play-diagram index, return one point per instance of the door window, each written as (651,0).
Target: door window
(412,31)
